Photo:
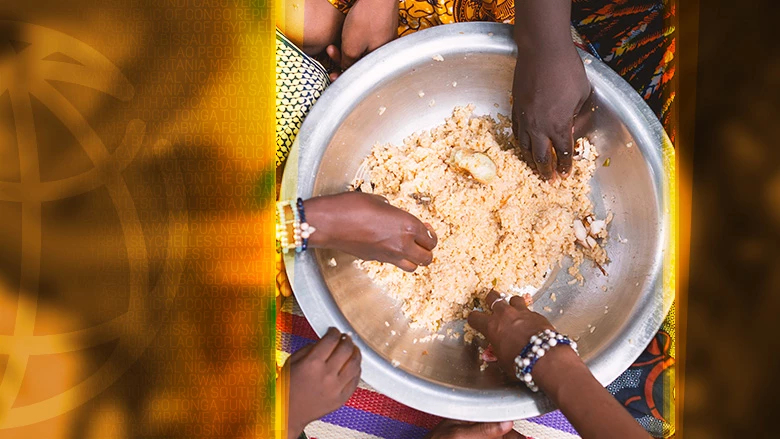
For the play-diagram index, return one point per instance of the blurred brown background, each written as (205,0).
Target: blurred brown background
(136,175)
(733,352)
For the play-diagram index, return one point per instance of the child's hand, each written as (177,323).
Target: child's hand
(451,429)
(369,25)
(322,377)
(367,226)
(548,91)
(509,328)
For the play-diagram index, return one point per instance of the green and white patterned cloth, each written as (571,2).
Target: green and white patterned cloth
(299,82)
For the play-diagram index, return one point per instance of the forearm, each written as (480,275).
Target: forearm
(592,411)
(322,216)
(292,425)
(543,24)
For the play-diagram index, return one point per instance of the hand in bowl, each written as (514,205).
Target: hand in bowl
(549,87)
(368,227)
(509,328)
(548,92)
(560,373)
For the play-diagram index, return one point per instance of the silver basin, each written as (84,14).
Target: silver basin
(444,377)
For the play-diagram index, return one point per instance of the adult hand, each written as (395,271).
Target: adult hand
(560,374)
(322,377)
(369,25)
(548,92)
(508,328)
(549,87)
(367,226)
(451,429)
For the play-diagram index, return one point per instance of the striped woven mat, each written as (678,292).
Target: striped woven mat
(370,414)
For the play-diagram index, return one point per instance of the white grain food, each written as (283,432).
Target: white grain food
(504,233)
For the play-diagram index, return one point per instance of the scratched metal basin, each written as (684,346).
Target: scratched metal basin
(340,131)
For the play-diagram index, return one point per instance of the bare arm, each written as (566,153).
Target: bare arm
(543,24)
(593,412)
(549,86)
(560,374)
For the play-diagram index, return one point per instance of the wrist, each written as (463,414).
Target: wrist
(559,362)
(542,26)
(539,49)
(317,216)
(294,429)
(291,411)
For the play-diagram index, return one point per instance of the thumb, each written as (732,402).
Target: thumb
(486,430)
(334,54)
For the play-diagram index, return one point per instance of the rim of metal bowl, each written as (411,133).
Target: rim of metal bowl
(315,299)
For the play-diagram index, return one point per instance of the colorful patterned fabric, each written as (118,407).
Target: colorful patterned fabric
(637,39)
(645,387)
(636,42)
(370,414)
(299,82)
(342,5)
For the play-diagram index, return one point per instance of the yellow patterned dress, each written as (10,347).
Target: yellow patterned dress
(416,15)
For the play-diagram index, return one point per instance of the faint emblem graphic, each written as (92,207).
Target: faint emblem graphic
(30,60)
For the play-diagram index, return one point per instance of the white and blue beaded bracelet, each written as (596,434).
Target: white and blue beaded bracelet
(534,350)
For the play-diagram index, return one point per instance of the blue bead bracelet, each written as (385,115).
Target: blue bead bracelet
(536,348)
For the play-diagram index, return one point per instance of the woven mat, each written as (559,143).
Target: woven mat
(370,414)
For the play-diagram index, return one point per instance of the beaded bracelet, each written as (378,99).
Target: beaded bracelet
(534,350)
(284,222)
(291,220)
(306,229)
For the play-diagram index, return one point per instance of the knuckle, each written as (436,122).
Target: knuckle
(564,150)
(540,122)
(409,228)
(387,254)
(534,126)
(329,379)
(352,51)
(562,125)
(541,157)
(399,248)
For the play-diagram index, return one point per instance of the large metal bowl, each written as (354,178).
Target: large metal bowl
(444,377)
